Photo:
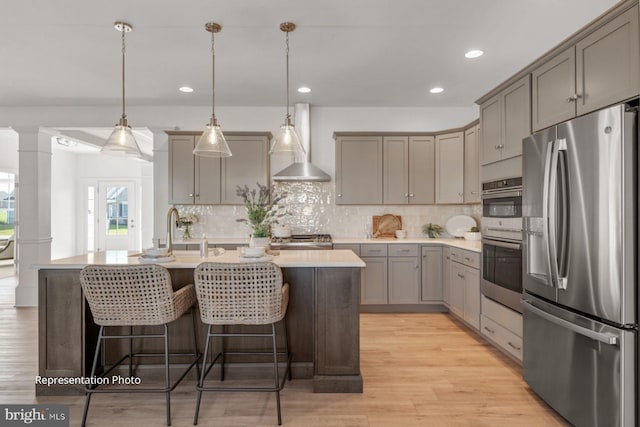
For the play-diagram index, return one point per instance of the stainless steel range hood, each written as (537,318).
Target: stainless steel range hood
(302,170)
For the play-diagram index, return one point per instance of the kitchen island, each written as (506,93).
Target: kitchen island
(322,318)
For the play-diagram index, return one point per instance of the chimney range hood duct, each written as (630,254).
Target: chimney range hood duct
(302,170)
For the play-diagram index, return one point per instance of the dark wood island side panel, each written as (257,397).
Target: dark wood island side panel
(322,313)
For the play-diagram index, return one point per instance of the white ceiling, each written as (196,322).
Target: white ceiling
(350,52)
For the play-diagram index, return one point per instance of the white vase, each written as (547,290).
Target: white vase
(259,241)
(472,235)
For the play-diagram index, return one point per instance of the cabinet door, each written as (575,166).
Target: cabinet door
(404,280)
(359,170)
(431,274)
(207,180)
(608,63)
(374,281)
(471,166)
(450,168)
(471,279)
(554,86)
(446,276)
(181,169)
(248,165)
(516,117)
(456,289)
(422,170)
(395,170)
(491,129)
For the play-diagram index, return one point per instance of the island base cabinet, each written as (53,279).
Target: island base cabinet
(322,324)
(337,326)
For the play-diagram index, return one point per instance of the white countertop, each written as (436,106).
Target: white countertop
(470,245)
(190,259)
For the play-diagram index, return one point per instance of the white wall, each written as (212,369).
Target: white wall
(8,151)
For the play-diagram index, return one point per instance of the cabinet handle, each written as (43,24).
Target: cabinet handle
(513,346)
(491,331)
(467,258)
(405,250)
(474,192)
(497,147)
(461,276)
(406,194)
(411,195)
(339,195)
(190,194)
(460,194)
(574,97)
(197,195)
(417,266)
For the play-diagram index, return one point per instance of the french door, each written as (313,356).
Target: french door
(116,219)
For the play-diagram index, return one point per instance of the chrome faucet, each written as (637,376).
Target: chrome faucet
(172,210)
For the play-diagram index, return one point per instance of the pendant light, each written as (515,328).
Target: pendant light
(121,140)
(287,140)
(212,142)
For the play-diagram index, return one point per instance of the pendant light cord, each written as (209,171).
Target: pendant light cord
(287,53)
(124,116)
(213,78)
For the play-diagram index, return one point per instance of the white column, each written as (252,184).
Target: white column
(34,214)
(160,182)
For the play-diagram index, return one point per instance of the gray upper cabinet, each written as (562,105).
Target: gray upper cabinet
(471,165)
(505,120)
(181,169)
(408,170)
(395,170)
(213,181)
(450,168)
(601,69)
(422,170)
(554,86)
(608,63)
(248,165)
(358,170)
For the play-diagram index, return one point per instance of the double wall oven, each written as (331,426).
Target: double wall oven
(502,242)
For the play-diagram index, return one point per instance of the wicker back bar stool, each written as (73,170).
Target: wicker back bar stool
(242,294)
(136,295)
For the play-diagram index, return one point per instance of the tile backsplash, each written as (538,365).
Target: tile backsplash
(311,209)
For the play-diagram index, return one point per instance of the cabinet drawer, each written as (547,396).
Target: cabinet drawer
(403,250)
(471,259)
(373,250)
(501,336)
(509,319)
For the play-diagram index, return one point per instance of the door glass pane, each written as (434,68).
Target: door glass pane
(7,204)
(91,220)
(117,211)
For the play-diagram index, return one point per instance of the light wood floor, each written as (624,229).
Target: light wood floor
(418,369)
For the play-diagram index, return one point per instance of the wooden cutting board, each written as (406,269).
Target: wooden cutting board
(386,225)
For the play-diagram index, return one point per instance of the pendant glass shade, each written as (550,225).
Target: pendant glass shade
(121,141)
(286,140)
(212,143)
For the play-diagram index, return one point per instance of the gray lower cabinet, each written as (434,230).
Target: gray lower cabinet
(213,181)
(446,277)
(431,283)
(404,274)
(463,283)
(374,285)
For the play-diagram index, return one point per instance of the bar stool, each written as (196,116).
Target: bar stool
(242,294)
(136,295)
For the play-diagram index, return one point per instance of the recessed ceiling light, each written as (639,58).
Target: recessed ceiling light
(436,90)
(186,89)
(474,53)
(304,89)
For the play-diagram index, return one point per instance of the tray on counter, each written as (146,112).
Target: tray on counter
(386,225)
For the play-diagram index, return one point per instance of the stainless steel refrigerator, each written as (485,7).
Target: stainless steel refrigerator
(580,260)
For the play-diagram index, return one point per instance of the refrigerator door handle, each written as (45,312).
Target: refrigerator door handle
(598,336)
(552,212)
(545,211)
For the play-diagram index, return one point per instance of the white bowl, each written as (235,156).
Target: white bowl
(474,236)
(401,234)
(281,231)
(156,252)
(254,252)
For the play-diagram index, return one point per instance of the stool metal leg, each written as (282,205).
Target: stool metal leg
(195,342)
(222,359)
(130,352)
(286,347)
(202,375)
(93,372)
(166,372)
(275,370)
